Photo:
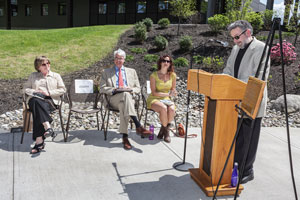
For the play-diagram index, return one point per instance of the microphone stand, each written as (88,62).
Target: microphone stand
(184,166)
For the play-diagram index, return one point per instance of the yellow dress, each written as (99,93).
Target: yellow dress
(161,86)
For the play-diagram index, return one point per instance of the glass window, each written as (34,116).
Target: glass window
(62,8)
(28,10)
(102,8)
(14,7)
(141,7)
(1,11)
(163,5)
(121,8)
(44,9)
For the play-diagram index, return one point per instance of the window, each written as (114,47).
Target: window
(163,5)
(1,11)
(44,8)
(141,7)
(62,8)
(14,7)
(28,10)
(102,8)
(121,8)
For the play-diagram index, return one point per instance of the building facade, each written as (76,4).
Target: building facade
(75,13)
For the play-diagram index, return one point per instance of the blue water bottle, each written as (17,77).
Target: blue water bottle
(235,175)
(151,137)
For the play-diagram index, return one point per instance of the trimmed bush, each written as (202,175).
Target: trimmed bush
(138,50)
(185,43)
(163,23)
(151,58)
(218,22)
(129,58)
(267,16)
(181,62)
(148,23)
(160,42)
(154,67)
(255,19)
(140,32)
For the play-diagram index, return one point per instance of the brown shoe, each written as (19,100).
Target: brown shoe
(143,132)
(126,144)
(167,137)
(161,133)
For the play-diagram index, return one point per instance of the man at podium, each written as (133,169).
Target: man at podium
(242,63)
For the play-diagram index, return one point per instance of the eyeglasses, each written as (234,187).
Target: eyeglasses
(119,58)
(166,61)
(238,36)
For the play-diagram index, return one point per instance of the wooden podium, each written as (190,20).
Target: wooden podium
(222,92)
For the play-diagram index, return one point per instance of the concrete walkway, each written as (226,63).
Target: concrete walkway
(89,168)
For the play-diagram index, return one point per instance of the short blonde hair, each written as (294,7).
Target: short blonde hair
(39,61)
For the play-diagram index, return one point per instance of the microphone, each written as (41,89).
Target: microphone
(224,44)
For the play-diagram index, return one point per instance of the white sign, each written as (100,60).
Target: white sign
(84,86)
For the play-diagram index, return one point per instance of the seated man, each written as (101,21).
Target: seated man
(111,82)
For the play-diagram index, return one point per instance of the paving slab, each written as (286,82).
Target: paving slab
(87,167)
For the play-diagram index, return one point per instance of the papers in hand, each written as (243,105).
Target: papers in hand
(167,102)
(119,90)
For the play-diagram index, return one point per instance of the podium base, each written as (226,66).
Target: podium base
(224,190)
(180,166)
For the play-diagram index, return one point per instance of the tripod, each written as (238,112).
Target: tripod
(269,42)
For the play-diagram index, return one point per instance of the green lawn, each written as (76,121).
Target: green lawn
(68,49)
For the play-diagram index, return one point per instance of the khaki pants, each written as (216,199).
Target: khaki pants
(125,104)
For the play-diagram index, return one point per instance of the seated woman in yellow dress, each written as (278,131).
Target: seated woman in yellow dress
(163,86)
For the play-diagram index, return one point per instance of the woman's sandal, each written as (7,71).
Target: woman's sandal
(37,148)
(49,132)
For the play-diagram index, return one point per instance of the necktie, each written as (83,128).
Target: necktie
(121,84)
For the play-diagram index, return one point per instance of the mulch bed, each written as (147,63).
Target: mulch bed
(11,90)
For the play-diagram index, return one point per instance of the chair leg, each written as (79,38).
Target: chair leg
(145,125)
(97,120)
(67,128)
(62,125)
(103,120)
(25,125)
(176,130)
(105,129)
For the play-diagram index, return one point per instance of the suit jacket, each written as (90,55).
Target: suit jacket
(55,85)
(248,67)
(109,79)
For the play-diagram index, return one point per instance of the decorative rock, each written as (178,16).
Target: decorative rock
(293,103)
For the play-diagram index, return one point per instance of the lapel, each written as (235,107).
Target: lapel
(127,75)
(113,76)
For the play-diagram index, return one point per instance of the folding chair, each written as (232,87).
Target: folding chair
(145,92)
(27,125)
(84,93)
(108,108)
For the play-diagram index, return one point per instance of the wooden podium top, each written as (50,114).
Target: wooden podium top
(215,86)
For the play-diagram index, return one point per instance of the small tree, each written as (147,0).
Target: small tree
(294,24)
(182,9)
(237,9)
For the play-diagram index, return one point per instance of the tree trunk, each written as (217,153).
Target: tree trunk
(179,21)
(296,37)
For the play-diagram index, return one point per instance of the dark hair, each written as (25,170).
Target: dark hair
(171,67)
(242,24)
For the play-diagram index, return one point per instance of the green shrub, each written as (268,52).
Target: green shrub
(288,34)
(160,42)
(140,32)
(138,50)
(213,62)
(198,59)
(163,23)
(154,67)
(151,58)
(129,58)
(148,23)
(267,16)
(185,43)
(181,62)
(255,19)
(262,37)
(218,22)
